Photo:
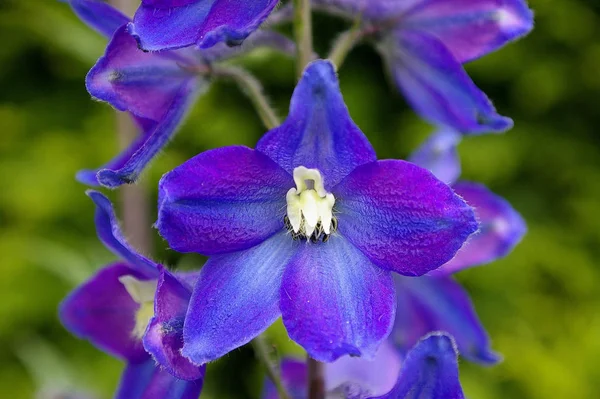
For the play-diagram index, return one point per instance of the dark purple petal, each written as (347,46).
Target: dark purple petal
(223,200)
(437,86)
(427,304)
(318,132)
(99,15)
(440,156)
(334,302)
(429,371)
(168,24)
(102,311)
(401,217)
(164,337)
(110,233)
(501,229)
(294,375)
(236,299)
(471,28)
(147,381)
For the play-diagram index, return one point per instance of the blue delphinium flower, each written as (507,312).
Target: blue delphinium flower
(429,370)
(134,310)
(170,24)
(424,43)
(157,89)
(307,226)
(435,301)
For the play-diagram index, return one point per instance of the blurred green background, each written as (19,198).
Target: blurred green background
(541,305)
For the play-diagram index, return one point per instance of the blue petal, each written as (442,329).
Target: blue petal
(235,299)
(99,15)
(430,371)
(440,156)
(147,381)
(109,232)
(437,86)
(335,302)
(318,132)
(428,304)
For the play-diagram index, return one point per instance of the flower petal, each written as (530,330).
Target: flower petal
(427,304)
(318,133)
(147,381)
(401,217)
(334,302)
(164,336)
(472,28)
(429,371)
(236,299)
(437,86)
(168,24)
(109,232)
(223,200)
(100,16)
(501,229)
(102,311)
(440,156)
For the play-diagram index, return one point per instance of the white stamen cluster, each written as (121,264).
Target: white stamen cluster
(142,292)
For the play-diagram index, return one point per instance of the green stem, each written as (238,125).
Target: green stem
(303,34)
(263,352)
(344,44)
(253,89)
(316,379)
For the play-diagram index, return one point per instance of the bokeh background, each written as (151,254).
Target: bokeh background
(541,305)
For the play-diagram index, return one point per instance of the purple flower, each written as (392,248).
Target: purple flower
(170,24)
(429,370)
(133,309)
(307,226)
(437,302)
(424,43)
(157,89)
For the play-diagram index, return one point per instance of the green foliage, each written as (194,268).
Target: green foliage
(540,304)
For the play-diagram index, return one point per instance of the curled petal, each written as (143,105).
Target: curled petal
(318,133)
(436,84)
(148,381)
(334,302)
(440,156)
(501,229)
(430,371)
(235,299)
(168,24)
(99,15)
(427,304)
(223,200)
(471,28)
(401,217)
(102,311)
(110,233)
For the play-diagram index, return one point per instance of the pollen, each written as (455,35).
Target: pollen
(142,292)
(310,207)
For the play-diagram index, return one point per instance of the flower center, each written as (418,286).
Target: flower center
(142,292)
(310,207)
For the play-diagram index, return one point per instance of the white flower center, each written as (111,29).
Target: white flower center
(309,206)
(142,292)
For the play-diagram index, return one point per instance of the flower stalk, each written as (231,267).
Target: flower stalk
(316,379)
(262,351)
(303,34)
(344,44)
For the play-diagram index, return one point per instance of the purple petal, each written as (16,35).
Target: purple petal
(501,229)
(294,375)
(429,371)
(98,15)
(368,10)
(401,217)
(110,233)
(427,304)
(168,24)
(102,311)
(147,381)
(472,28)
(223,200)
(318,132)
(259,39)
(334,302)
(440,156)
(437,86)
(236,299)
(164,337)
